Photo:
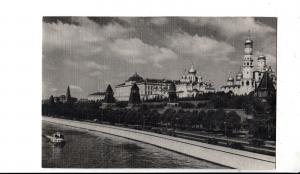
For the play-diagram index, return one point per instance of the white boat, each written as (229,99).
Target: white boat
(56,138)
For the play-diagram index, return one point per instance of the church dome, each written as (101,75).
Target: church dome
(135,78)
(239,76)
(261,57)
(248,40)
(200,78)
(192,70)
(230,79)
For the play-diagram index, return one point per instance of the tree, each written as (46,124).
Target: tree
(219,118)
(208,119)
(109,95)
(134,95)
(233,122)
(51,100)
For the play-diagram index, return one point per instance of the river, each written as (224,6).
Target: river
(91,149)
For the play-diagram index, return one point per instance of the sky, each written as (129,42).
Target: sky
(88,53)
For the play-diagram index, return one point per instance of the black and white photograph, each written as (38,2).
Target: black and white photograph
(125,86)
(163,92)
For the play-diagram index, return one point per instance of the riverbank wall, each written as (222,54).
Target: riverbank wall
(232,158)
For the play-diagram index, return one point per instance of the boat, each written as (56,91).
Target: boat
(56,138)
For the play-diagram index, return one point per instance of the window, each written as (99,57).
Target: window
(247,83)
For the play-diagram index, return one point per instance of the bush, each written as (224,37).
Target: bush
(212,141)
(187,105)
(201,105)
(257,142)
(236,145)
(121,104)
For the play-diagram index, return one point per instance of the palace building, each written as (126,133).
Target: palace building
(150,89)
(250,75)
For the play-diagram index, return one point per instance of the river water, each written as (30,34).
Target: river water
(90,149)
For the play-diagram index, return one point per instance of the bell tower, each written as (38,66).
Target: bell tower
(247,59)
(247,66)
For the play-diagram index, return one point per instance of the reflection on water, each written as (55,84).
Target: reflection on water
(90,149)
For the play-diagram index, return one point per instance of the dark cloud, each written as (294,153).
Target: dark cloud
(103,20)
(270,21)
(64,20)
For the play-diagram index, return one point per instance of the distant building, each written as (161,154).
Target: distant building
(65,98)
(249,77)
(97,96)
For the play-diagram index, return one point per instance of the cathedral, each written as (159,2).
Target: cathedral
(191,85)
(249,76)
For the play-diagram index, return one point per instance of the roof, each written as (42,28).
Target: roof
(261,57)
(195,90)
(230,79)
(192,70)
(266,82)
(158,80)
(248,40)
(228,86)
(98,93)
(135,77)
(109,89)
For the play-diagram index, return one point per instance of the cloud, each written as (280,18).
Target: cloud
(79,41)
(231,26)
(94,65)
(75,88)
(199,47)
(96,73)
(137,52)
(159,20)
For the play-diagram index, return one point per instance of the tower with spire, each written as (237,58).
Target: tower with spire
(68,95)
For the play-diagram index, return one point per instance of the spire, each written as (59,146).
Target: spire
(248,40)
(109,95)
(68,95)
(249,35)
(192,70)
(134,97)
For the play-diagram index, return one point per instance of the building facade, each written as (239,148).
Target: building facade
(97,96)
(149,89)
(250,75)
